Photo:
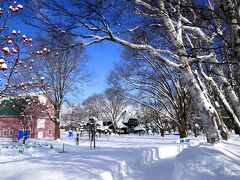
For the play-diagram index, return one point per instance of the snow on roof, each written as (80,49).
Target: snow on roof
(121,125)
(94,118)
(140,127)
(126,119)
(99,122)
(103,128)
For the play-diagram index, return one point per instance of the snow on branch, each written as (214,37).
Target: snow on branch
(133,29)
(146,5)
(194,29)
(206,57)
(154,52)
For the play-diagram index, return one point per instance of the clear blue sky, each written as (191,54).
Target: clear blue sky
(101,58)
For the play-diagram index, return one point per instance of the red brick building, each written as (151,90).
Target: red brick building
(22,115)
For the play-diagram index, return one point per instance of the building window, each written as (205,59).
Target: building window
(42,100)
(10,133)
(28,117)
(5,133)
(49,132)
(41,123)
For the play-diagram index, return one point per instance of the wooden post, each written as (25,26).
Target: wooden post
(94,136)
(89,131)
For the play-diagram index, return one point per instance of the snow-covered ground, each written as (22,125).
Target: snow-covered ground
(121,157)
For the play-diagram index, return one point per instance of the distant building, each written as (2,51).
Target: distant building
(127,122)
(18,117)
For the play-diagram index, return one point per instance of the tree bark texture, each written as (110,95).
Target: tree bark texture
(57,130)
(205,109)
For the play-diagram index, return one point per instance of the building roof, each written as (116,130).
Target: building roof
(12,107)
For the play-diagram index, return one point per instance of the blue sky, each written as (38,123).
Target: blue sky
(101,59)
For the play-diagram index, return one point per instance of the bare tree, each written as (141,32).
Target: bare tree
(188,34)
(114,104)
(74,116)
(151,116)
(62,72)
(93,106)
(155,82)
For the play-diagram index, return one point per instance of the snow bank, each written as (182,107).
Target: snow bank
(206,162)
(192,161)
(122,157)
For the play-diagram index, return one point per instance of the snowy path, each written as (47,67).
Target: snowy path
(161,169)
(123,158)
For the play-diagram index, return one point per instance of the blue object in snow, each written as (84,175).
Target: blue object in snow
(20,134)
(184,140)
(70,134)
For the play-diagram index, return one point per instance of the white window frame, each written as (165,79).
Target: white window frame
(41,123)
(42,100)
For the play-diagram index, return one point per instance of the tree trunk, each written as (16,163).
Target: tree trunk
(182,127)
(162,132)
(236,130)
(57,123)
(57,130)
(223,128)
(182,132)
(205,109)
(230,94)
(114,126)
(195,132)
